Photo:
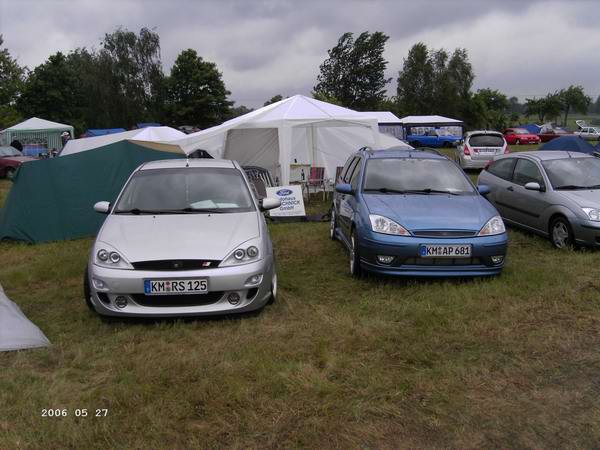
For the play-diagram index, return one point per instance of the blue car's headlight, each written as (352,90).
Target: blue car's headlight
(592,213)
(380,224)
(493,226)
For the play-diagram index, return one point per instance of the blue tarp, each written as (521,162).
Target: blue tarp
(531,127)
(102,131)
(570,144)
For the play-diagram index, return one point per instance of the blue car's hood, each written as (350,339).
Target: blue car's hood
(434,211)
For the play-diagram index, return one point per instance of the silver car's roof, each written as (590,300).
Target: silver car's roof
(545,155)
(193,162)
(470,133)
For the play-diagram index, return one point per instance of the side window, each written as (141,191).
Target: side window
(503,168)
(345,169)
(527,171)
(348,175)
(354,178)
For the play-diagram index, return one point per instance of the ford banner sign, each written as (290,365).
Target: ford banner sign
(292,202)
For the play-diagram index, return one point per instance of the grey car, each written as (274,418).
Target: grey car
(553,193)
(479,147)
(183,238)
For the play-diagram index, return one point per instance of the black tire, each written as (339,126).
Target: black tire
(561,233)
(355,269)
(273,297)
(333,225)
(87,292)
(10,173)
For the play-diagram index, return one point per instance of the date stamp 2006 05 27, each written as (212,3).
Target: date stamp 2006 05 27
(77,412)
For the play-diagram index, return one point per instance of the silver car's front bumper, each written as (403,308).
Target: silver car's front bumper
(221,282)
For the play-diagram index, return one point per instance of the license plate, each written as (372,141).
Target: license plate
(193,286)
(445,251)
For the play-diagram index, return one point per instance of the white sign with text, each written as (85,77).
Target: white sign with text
(292,202)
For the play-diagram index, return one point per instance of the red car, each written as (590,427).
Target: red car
(516,136)
(10,160)
(548,135)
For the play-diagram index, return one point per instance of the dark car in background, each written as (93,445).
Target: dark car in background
(415,213)
(10,160)
(552,193)
(546,135)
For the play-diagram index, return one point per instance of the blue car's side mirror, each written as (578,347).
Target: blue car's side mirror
(484,189)
(344,188)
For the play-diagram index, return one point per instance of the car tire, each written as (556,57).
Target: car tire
(87,292)
(333,225)
(561,233)
(10,173)
(355,269)
(273,296)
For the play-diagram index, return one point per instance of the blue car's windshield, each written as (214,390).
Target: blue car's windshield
(415,176)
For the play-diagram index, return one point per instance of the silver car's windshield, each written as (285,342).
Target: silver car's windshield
(184,191)
(573,173)
(415,176)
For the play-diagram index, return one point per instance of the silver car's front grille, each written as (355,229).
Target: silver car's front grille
(176,264)
(444,233)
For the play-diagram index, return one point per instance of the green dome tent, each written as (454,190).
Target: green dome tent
(53,199)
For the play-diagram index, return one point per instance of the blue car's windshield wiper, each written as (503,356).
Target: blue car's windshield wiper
(385,190)
(432,191)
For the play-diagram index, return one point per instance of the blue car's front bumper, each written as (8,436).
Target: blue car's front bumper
(408,262)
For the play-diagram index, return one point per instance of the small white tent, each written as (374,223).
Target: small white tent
(148,134)
(16,331)
(295,130)
(36,130)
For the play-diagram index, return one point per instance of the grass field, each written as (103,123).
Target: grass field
(337,362)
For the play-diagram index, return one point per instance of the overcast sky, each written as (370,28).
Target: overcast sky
(264,48)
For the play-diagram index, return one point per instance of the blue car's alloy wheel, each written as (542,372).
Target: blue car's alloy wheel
(355,269)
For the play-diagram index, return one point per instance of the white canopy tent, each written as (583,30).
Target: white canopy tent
(36,130)
(16,331)
(148,134)
(295,130)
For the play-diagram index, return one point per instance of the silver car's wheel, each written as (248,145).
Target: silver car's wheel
(355,269)
(561,234)
(273,289)
(332,226)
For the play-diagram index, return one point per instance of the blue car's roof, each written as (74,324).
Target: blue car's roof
(401,153)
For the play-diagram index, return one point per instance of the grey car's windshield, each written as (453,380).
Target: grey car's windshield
(185,191)
(573,173)
(415,176)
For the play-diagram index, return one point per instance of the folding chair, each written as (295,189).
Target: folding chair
(316,178)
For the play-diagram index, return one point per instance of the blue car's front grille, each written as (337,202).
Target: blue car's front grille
(444,233)
(441,262)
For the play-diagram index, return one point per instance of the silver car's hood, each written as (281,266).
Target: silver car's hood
(180,236)
(588,198)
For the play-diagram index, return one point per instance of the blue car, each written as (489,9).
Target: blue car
(415,213)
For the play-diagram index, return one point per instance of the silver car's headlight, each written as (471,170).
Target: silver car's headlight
(107,256)
(381,224)
(246,253)
(493,226)
(592,213)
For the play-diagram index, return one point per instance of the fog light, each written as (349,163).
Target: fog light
(497,259)
(121,301)
(98,284)
(233,298)
(384,259)
(253,280)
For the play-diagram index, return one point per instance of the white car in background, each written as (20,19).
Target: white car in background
(588,133)
(479,147)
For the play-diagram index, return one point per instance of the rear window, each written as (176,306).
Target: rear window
(486,140)
(503,168)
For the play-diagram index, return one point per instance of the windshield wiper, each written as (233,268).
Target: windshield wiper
(432,191)
(411,191)
(385,191)
(571,187)
(138,211)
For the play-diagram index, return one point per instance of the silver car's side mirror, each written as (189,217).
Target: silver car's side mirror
(533,186)
(268,203)
(102,207)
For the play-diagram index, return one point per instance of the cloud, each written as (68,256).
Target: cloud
(266,47)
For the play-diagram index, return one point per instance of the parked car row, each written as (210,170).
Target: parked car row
(10,160)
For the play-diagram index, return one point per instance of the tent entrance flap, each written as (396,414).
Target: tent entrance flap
(254,147)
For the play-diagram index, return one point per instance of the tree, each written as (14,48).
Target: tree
(415,81)
(354,73)
(573,99)
(237,111)
(196,92)
(546,108)
(12,77)
(274,99)
(494,108)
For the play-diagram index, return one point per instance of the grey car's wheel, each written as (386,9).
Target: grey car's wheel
(10,173)
(333,225)
(355,269)
(87,293)
(561,233)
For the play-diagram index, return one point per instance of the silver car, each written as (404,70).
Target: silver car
(553,193)
(184,237)
(479,147)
